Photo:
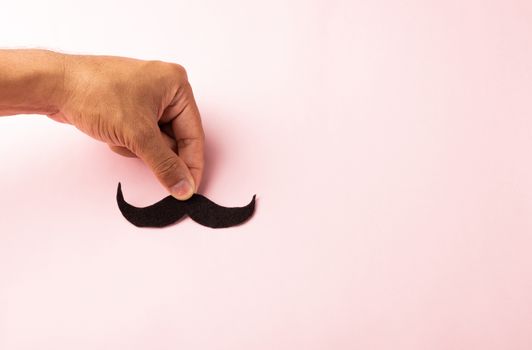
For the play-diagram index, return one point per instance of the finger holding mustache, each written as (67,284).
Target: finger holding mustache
(173,173)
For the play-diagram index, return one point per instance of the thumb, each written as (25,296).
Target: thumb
(169,169)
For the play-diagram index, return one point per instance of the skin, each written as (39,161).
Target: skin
(143,109)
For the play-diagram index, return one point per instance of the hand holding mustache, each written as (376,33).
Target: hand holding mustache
(139,108)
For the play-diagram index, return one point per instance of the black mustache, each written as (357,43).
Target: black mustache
(169,210)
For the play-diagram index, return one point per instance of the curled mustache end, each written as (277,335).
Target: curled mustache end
(169,210)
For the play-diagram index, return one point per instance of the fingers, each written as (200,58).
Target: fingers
(167,166)
(189,136)
(123,151)
(184,117)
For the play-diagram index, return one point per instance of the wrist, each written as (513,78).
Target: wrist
(48,87)
(31,81)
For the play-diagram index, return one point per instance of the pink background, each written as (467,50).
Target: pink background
(390,146)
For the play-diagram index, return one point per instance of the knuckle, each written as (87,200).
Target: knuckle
(179,71)
(166,168)
(178,68)
(185,142)
(138,138)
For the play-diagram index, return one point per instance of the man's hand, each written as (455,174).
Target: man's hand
(139,108)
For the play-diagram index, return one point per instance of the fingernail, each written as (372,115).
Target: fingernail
(182,190)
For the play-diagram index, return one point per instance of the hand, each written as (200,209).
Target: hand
(139,108)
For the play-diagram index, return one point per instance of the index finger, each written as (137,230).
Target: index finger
(190,138)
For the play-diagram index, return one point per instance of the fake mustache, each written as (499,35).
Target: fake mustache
(169,210)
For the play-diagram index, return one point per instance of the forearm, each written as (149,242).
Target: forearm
(31,82)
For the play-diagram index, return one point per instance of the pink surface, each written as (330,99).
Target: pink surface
(389,143)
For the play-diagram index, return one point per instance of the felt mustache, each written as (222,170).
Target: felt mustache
(169,210)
